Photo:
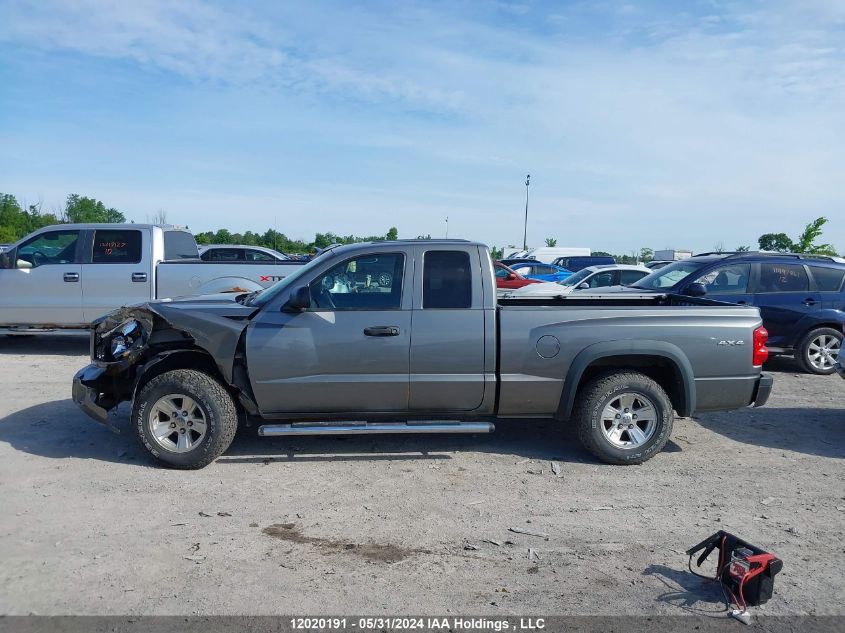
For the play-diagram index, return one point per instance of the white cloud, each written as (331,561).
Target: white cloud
(728,112)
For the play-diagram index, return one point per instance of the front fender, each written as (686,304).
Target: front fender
(659,350)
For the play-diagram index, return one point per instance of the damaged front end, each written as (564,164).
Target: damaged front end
(118,341)
(130,342)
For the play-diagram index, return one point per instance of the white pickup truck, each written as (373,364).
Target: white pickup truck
(65,276)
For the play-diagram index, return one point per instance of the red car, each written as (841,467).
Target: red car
(507,280)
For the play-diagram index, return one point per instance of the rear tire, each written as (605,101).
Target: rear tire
(623,417)
(818,351)
(185,418)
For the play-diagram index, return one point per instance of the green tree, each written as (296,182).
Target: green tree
(778,242)
(497,253)
(807,240)
(743,249)
(551,242)
(646,254)
(83,209)
(392,234)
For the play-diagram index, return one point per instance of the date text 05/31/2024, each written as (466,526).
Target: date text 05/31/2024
(418,623)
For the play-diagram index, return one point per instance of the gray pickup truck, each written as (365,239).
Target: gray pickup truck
(328,350)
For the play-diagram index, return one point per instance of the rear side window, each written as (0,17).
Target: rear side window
(447,280)
(179,245)
(783,278)
(116,247)
(630,276)
(828,279)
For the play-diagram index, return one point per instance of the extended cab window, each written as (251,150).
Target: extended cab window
(53,247)
(726,279)
(783,278)
(828,279)
(116,247)
(447,280)
(369,282)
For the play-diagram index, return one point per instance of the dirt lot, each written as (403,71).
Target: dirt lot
(408,524)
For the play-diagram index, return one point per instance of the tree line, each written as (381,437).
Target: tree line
(19,219)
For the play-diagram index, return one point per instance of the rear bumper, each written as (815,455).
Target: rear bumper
(86,390)
(764,390)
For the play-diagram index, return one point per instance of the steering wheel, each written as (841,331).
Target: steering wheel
(38,255)
(323,298)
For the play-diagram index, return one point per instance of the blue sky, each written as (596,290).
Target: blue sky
(662,124)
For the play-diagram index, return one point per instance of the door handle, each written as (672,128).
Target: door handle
(381,330)
(139,277)
(71,277)
(809,302)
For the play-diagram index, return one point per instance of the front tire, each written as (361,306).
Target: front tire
(623,417)
(185,418)
(818,351)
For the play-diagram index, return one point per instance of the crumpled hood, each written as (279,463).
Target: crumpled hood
(214,322)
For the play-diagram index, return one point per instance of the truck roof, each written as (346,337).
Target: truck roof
(116,226)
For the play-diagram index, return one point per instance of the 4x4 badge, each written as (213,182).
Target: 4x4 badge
(731,343)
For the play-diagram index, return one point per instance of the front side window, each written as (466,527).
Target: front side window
(369,282)
(53,247)
(116,247)
(252,255)
(222,255)
(783,278)
(726,280)
(828,279)
(447,280)
(602,279)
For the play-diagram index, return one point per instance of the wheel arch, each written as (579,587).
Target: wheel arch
(662,361)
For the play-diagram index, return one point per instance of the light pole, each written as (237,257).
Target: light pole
(447,227)
(525,231)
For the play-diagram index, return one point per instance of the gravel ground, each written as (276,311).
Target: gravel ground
(400,525)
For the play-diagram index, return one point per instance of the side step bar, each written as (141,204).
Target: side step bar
(363,428)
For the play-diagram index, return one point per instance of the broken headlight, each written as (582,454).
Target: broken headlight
(120,342)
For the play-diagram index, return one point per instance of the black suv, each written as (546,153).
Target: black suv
(800,297)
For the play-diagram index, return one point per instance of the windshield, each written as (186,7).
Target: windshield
(668,276)
(268,294)
(577,278)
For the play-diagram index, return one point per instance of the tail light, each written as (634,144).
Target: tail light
(761,352)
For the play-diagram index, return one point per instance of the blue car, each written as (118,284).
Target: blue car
(800,297)
(540,271)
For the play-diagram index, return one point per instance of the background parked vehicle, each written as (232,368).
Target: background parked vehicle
(657,264)
(66,276)
(580,262)
(507,280)
(240,253)
(540,271)
(800,297)
(547,254)
(591,277)
(672,255)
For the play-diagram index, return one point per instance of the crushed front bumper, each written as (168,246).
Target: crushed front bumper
(88,384)
(764,389)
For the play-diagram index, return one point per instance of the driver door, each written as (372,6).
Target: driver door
(349,352)
(44,285)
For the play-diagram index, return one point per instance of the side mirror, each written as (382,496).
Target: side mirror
(300,300)
(511,276)
(583,286)
(695,290)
